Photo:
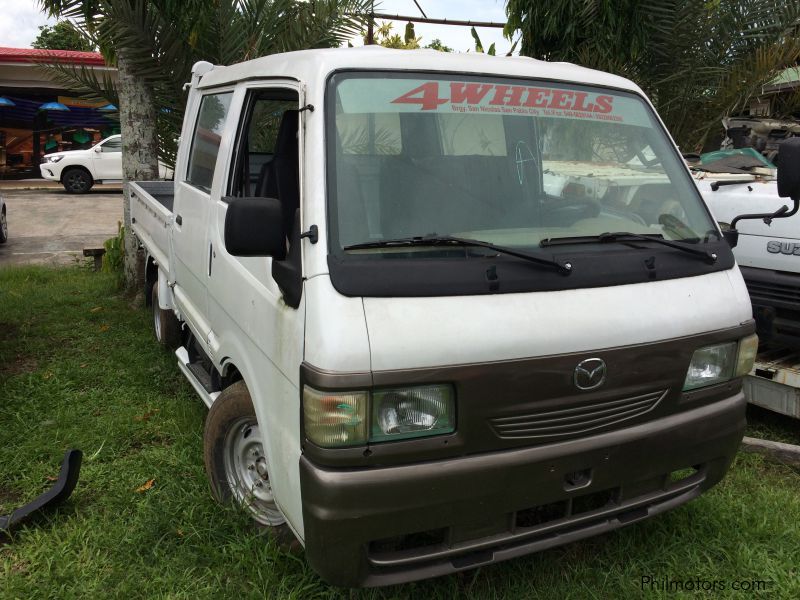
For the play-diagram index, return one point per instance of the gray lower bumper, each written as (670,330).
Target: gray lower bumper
(381,526)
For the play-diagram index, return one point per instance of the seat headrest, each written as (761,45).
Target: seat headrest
(286,143)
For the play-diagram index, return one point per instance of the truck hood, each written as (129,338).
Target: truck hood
(411,333)
(68,153)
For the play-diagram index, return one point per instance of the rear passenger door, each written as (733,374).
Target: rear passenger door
(193,189)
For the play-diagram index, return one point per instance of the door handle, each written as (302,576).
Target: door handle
(179,219)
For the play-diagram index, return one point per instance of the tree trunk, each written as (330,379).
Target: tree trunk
(138,115)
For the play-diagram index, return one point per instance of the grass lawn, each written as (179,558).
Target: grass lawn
(79,368)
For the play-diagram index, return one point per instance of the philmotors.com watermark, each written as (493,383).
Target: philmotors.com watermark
(655,583)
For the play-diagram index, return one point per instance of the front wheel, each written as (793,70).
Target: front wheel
(236,460)
(77,181)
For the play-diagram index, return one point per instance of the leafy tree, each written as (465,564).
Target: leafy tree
(62,36)
(698,60)
(154,44)
(479,43)
(384,37)
(436,44)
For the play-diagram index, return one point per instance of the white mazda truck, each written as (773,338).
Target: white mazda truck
(445,310)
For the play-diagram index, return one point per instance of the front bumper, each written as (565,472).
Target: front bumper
(382,526)
(49,171)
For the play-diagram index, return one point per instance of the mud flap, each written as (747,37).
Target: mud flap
(67,479)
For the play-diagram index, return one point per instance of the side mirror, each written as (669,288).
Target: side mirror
(254,227)
(788,184)
(98,149)
(789,168)
(731,236)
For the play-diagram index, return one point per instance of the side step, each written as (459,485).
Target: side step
(197,376)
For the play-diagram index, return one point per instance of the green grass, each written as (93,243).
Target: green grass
(79,368)
(763,423)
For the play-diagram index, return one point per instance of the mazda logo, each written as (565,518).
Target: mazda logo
(590,373)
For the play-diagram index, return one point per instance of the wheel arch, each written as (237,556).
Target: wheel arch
(230,373)
(150,278)
(67,169)
(275,399)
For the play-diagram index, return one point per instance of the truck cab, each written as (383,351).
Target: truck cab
(768,254)
(445,310)
(768,251)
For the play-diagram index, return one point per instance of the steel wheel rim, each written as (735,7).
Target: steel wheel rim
(157,320)
(246,472)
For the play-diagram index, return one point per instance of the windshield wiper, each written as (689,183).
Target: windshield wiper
(625,236)
(449,240)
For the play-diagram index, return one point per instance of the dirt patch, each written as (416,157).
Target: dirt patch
(9,500)
(21,364)
(8,331)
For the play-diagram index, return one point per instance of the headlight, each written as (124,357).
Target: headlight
(412,412)
(53,159)
(721,363)
(339,419)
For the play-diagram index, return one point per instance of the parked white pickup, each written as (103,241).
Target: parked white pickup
(79,170)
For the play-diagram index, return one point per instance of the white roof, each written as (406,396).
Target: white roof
(314,66)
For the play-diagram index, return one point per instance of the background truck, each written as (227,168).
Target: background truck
(769,258)
(79,170)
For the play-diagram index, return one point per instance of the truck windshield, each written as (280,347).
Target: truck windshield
(509,162)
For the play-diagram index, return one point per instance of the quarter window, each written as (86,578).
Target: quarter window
(206,139)
(112,145)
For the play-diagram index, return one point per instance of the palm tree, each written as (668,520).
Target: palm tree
(698,60)
(154,44)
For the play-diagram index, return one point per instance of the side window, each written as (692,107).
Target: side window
(206,139)
(113,145)
(267,168)
(254,169)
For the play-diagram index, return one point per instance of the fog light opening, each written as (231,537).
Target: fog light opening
(681,474)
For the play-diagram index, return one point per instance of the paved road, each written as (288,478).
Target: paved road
(49,226)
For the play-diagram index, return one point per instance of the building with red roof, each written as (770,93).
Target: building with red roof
(38,116)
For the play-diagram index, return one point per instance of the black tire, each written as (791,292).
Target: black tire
(76,180)
(3,227)
(165,324)
(231,433)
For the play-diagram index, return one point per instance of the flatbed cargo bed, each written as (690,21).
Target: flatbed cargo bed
(774,382)
(151,217)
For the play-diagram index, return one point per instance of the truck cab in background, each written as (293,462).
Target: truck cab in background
(768,253)
(445,310)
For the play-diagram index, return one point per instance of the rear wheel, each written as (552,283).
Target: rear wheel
(77,181)
(236,460)
(3,227)
(165,323)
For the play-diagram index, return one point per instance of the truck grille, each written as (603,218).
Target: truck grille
(773,292)
(575,420)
